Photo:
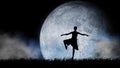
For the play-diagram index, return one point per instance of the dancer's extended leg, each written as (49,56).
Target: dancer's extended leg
(65,45)
(73,53)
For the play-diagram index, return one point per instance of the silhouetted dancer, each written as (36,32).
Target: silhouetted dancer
(72,41)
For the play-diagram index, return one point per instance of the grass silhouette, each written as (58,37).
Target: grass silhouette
(59,63)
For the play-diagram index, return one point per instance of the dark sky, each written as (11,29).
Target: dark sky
(28,17)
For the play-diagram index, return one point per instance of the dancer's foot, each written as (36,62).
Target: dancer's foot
(66,47)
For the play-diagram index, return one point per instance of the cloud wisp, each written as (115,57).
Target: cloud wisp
(14,48)
(108,48)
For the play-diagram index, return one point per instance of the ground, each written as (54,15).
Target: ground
(59,63)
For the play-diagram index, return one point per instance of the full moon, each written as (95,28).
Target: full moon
(88,19)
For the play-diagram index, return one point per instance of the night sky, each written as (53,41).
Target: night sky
(26,18)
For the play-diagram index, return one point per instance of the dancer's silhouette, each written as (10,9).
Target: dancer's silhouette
(73,41)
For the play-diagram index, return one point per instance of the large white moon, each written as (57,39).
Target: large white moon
(89,20)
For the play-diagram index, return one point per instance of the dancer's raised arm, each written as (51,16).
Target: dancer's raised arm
(66,34)
(82,34)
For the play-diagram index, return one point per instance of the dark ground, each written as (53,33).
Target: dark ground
(60,63)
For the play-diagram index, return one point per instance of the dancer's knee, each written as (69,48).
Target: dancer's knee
(64,42)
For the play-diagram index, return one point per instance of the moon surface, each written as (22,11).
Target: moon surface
(89,20)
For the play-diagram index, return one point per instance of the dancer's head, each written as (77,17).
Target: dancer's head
(75,28)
